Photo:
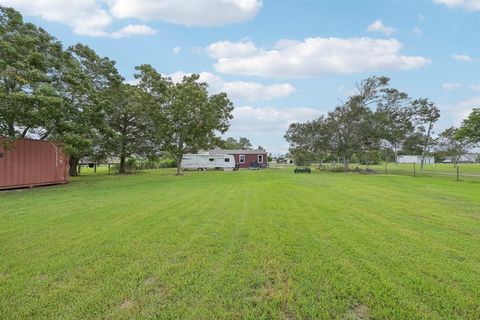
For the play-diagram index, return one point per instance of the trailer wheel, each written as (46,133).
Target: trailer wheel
(199,169)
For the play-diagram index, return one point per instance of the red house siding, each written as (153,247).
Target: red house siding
(249,159)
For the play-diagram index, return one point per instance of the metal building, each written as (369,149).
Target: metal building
(29,163)
(415,159)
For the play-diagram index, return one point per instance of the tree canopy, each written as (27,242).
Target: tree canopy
(377,120)
(186,118)
(241,144)
(470,129)
(78,98)
(30,69)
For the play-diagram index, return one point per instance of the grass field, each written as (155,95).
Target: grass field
(251,244)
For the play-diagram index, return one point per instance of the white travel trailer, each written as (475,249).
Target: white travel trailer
(225,162)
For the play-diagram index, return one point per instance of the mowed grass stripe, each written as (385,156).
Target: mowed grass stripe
(263,244)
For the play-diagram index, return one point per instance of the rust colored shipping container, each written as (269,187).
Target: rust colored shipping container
(29,163)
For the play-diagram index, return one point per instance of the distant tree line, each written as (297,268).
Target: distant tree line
(379,122)
(241,144)
(78,98)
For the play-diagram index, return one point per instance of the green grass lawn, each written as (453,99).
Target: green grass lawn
(251,244)
(466,171)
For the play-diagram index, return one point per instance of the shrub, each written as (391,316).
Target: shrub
(168,163)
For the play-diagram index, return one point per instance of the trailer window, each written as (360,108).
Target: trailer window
(227,159)
(260,158)
(211,159)
(241,158)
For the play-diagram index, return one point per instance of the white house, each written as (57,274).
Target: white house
(414,159)
(468,158)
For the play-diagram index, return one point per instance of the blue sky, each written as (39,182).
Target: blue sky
(283,61)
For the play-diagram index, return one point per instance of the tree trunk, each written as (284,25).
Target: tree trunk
(395,152)
(346,164)
(179,162)
(73,162)
(121,169)
(24,133)
(123,156)
(11,130)
(424,154)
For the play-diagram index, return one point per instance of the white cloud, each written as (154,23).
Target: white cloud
(177,50)
(451,86)
(133,30)
(378,26)
(95,17)
(132,82)
(188,12)
(85,17)
(475,87)
(462,57)
(256,91)
(312,57)
(417,31)
(461,110)
(347,91)
(249,91)
(225,49)
(469,5)
(266,126)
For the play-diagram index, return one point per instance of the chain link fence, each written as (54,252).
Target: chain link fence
(462,172)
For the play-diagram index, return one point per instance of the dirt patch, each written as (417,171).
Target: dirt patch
(41,277)
(276,287)
(127,304)
(153,286)
(276,283)
(358,312)
(161,292)
(151,280)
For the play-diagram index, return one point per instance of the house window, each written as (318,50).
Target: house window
(260,158)
(241,158)
(227,159)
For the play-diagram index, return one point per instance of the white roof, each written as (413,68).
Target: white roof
(225,151)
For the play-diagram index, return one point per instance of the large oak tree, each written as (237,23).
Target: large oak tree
(187,119)
(30,65)
(88,85)
(470,129)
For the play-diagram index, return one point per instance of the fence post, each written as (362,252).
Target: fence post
(414,169)
(458,173)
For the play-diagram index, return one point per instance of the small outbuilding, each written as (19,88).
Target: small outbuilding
(415,159)
(245,158)
(29,163)
(469,158)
